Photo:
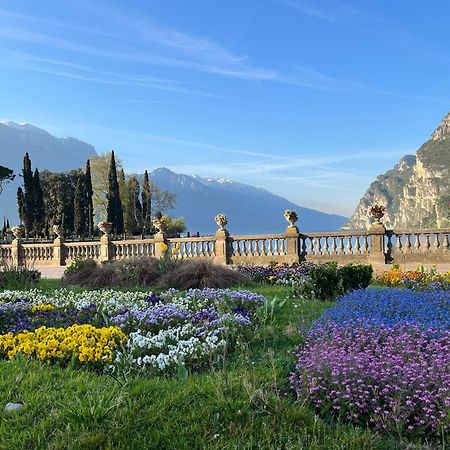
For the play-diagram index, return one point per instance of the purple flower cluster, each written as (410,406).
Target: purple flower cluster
(381,356)
(19,316)
(282,274)
(395,378)
(154,318)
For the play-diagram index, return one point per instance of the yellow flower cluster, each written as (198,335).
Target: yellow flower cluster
(86,341)
(36,308)
(163,247)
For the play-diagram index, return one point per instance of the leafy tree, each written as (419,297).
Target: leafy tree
(39,209)
(6,175)
(175,226)
(89,200)
(133,211)
(114,206)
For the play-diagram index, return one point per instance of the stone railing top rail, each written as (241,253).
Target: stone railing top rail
(258,236)
(336,234)
(41,245)
(420,231)
(192,239)
(82,243)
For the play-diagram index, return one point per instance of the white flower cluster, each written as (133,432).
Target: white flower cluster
(107,299)
(169,348)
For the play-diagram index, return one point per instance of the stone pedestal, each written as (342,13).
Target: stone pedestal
(159,239)
(377,253)
(106,253)
(292,244)
(59,258)
(223,248)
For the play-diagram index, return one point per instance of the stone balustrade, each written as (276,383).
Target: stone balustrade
(376,245)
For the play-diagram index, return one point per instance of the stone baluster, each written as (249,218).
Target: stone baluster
(446,243)
(358,245)
(426,247)
(398,244)
(417,242)
(349,249)
(341,245)
(408,243)
(437,243)
(333,245)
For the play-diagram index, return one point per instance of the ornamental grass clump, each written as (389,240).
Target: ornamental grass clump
(394,378)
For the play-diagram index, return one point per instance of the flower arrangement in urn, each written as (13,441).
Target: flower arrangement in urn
(291,217)
(377,212)
(105,227)
(221,220)
(17,231)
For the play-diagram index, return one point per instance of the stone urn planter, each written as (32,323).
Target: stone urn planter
(160,223)
(377,212)
(58,231)
(291,217)
(17,231)
(105,227)
(221,220)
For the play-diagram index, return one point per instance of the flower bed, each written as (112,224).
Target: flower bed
(381,357)
(414,279)
(149,332)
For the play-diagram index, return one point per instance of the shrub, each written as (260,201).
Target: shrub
(16,277)
(200,273)
(355,276)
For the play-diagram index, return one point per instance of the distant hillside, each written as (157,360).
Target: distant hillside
(416,192)
(250,210)
(46,152)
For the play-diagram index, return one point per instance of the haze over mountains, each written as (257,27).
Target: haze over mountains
(250,210)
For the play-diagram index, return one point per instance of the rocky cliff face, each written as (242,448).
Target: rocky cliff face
(416,192)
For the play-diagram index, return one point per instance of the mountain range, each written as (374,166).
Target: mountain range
(416,191)
(250,210)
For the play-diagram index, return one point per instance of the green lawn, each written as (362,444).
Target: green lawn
(244,404)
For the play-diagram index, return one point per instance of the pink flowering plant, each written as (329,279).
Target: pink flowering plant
(381,357)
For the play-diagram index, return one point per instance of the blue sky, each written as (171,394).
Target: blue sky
(309,99)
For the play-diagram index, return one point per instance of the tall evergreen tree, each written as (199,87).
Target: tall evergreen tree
(28,204)
(39,211)
(114,208)
(89,200)
(21,204)
(79,208)
(146,204)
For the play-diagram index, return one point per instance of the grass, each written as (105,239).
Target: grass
(246,404)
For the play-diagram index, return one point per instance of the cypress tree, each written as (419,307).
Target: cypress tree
(114,207)
(39,211)
(146,204)
(21,204)
(79,219)
(89,200)
(28,204)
